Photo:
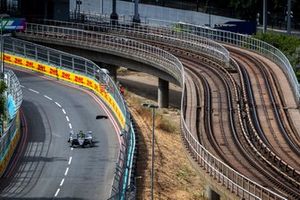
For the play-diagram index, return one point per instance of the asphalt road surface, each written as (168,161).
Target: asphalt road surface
(45,166)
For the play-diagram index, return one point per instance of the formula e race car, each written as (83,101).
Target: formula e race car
(81,139)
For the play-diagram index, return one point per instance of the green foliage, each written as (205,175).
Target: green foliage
(289,45)
(245,9)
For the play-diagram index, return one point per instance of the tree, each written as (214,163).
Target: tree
(245,9)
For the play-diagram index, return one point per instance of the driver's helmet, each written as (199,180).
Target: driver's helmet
(80,134)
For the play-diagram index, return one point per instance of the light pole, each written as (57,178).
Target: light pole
(136,17)
(153,107)
(78,4)
(289,16)
(265,16)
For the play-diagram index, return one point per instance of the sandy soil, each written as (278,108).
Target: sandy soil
(174,176)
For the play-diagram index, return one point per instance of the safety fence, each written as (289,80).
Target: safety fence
(80,71)
(11,125)
(228,177)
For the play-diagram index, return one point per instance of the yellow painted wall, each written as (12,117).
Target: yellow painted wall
(11,148)
(70,77)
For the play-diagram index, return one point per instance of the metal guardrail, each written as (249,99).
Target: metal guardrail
(12,126)
(228,177)
(85,67)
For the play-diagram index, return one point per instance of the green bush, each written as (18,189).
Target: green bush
(289,45)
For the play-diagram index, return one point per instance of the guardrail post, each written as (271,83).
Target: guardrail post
(73,64)
(48,57)
(13,46)
(35,53)
(85,67)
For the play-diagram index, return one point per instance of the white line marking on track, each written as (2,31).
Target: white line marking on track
(63,111)
(70,160)
(72,148)
(33,90)
(67,118)
(62,182)
(48,97)
(70,125)
(66,172)
(58,104)
(57,191)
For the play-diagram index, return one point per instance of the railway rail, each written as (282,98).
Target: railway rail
(236,155)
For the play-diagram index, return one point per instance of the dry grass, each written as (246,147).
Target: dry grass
(175,178)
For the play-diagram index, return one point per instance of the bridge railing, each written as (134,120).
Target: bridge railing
(154,33)
(228,177)
(59,60)
(105,43)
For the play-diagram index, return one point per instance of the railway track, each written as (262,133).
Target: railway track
(276,134)
(236,156)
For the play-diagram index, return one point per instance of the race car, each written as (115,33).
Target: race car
(81,139)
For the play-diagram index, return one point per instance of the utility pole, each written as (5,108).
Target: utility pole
(153,107)
(289,17)
(265,16)
(136,17)
(114,16)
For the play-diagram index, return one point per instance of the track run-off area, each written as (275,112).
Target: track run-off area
(45,166)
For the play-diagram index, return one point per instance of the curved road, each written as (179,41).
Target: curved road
(48,168)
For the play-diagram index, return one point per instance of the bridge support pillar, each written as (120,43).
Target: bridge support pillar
(163,93)
(212,195)
(112,69)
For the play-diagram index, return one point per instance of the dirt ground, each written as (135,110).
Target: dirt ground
(174,176)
